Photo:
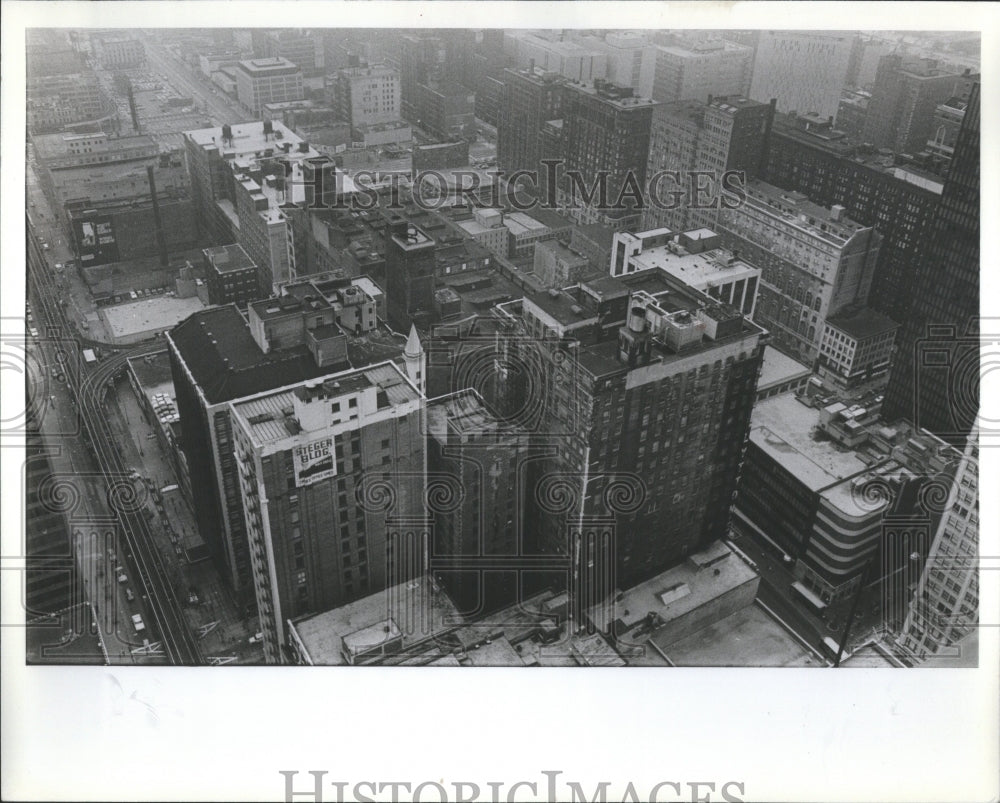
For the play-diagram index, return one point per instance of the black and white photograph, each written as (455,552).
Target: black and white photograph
(407,347)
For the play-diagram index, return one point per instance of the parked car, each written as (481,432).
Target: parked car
(122,578)
(138,623)
(129,594)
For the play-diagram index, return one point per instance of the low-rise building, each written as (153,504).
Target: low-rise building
(707,586)
(855,350)
(823,482)
(487,228)
(231,275)
(558,265)
(780,374)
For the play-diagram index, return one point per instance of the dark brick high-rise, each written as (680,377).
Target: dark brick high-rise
(935,376)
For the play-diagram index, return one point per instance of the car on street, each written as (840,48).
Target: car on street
(122,579)
(138,623)
(129,594)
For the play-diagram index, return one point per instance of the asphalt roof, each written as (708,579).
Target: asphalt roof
(226,361)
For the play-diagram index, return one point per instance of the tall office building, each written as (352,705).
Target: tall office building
(945,605)
(244,177)
(898,201)
(422,60)
(530,99)
(306,455)
(630,55)
(904,96)
(805,70)
(217,356)
(645,386)
(690,68)
(941,392)
(270,80)
(816,262)
(303,49)
(474,460)
(606,139)
(409,277)
(712,136)
(865,57)
(367,95)
(577,60)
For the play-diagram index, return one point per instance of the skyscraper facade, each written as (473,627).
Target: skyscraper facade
(693,69)
(606,139)
(409,277)
(710,136)
(904,96)
(941,392)
(815,261)
(529,100)
(804,70)
(647,384)
(897,202)
(305,454)
(474,461)
(946,601)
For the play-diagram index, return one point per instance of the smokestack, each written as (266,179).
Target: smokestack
(161,241)
(132,109)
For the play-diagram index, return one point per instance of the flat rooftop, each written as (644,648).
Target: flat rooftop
(297,300)
(274,65)
(704,576)
(796,208)
(250,138)
(629,103)
(748,637)
(778,367)
(321,634)
(706,269)
(863,323)
(708,48)
(266,416)
(473,227)
(560,250)
(783,427)
(149,314)
(463,414)
(229,258)
(415,238)
(226,362)
(573,305)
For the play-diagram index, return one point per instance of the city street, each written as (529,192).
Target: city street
(215,612)
(216,104)
(811,627)
(84,387)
